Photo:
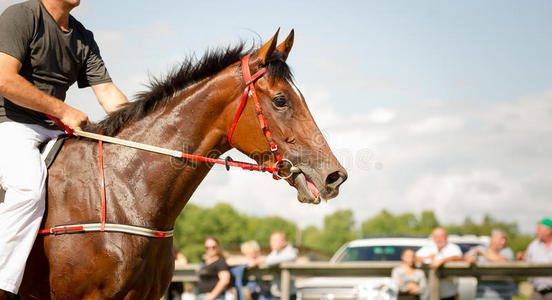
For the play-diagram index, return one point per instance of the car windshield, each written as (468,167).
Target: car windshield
(373,253)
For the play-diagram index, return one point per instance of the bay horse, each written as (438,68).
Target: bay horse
(191,109)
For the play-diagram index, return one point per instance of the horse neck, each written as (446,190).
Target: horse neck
(193,122)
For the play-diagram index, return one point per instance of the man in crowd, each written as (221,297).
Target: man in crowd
(436,254)
(495,252)
(540,251)
(281,252)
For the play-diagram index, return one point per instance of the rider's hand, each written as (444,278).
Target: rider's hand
(74,118)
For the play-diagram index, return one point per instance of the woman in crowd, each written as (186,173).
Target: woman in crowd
(214,275)
(410,281)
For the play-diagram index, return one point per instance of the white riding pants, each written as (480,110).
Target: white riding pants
(23,177)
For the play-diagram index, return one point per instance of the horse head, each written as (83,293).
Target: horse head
(309,164)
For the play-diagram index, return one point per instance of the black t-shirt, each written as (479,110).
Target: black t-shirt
(208,275)
(52,60)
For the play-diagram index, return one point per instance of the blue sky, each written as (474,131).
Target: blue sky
(443,105)
(482,50)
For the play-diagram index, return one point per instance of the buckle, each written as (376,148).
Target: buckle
(56,232)
(226,161)
(292,169)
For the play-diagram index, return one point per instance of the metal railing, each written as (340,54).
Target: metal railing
(288,271)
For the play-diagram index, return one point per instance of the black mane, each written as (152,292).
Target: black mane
(189,72)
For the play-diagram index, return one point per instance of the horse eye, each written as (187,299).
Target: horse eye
(280,101)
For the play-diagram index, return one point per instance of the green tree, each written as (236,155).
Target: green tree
(383,223)
(338,229)
(387,223)
(189,232)
(194,224)
(428,221)
(222,221)
(311,238)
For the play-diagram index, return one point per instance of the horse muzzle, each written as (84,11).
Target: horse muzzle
(310,186)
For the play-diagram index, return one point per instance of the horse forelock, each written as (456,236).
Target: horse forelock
(162,89)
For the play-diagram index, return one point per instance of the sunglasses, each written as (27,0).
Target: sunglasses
(211,247)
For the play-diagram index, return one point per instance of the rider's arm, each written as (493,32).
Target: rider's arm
(109,96)
(23,93)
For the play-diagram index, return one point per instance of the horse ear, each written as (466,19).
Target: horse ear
(263,54)
(285,47)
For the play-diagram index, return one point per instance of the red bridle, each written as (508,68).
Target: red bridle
(250,90)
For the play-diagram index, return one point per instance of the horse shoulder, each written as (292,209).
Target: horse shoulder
(70,179)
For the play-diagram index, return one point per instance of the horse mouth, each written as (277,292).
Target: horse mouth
(307,192)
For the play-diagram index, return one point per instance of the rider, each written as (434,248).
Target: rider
(43,51)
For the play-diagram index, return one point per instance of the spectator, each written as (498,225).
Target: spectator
(251,255)
(540,251)
(188,292)
(410,282)
(180,259)
(214,275)
(281,252)
(251,258)
(496,252)
(177,288)
(436,254)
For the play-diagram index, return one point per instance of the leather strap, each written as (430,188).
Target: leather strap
(108,227)
(102,181)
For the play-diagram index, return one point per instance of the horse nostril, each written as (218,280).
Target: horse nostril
(335,178)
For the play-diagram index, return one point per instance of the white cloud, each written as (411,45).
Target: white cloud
(525,114)
(437,124)
(382,115)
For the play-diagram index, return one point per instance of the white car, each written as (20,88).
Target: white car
(377,249)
